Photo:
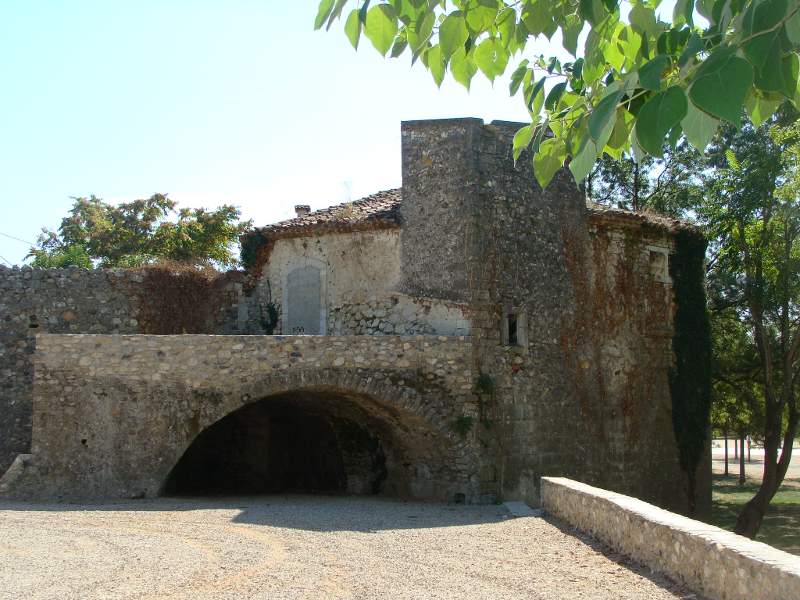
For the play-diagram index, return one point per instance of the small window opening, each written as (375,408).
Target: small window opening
(513,338)
(33,322)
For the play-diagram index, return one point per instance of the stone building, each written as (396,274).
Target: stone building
(453,340)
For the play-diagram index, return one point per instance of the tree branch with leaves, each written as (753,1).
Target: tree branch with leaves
(632,86)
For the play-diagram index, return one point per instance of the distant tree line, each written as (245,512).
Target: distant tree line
(133,234)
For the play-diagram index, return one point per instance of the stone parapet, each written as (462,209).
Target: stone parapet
(710,560)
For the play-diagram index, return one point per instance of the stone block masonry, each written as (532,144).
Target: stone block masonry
(582,387)
(113,414)
(109,301)
(714,562)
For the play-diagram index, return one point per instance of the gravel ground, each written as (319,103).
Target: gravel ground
(303,547)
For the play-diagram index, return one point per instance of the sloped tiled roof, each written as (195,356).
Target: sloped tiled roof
(380,210)
(601,213)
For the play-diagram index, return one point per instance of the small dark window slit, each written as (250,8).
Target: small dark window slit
(512,330)
(33,322)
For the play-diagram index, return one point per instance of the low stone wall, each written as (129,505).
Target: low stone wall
(710,560)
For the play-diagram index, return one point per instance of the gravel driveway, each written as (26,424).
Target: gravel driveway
(303,547)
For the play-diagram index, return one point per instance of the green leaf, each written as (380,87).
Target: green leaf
(481,14)
(682,13)
(548,160)
(760,108)
(352,27)
(555,95)
(517,76)
(779,74)
(541,130)
(534,97)
(419,35)
(793,28)
(399,46)
(570,32)
(622,129)
(699,127)
(600,122)
(452,34)
(651,73)
(693,46)
(721,85)
(381,27)
(324,10)
(507,25)
(582,163)
(536,16)
(592,11)
(462,67)
(335,13)
(657,116)
(643,18)
(435,63)
(491,58)
(522,139)
(674,135)
(638,152)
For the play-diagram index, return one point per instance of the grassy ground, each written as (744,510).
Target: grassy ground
(781,527)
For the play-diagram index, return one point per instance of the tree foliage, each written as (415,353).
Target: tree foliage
(140,232)
(752,214)
(666,185)
(633,85)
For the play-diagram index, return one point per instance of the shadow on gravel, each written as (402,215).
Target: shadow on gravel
(625,562)
(311,513)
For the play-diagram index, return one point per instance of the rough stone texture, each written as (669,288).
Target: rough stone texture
(72,301)
(397,313)
(569,309)
(585,392)
(113,414)
(710,560)
(355,267)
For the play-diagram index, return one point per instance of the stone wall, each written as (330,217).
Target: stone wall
(582,390)
(400,314)
(711,561)
(355,268)
(114,413)
(80,301)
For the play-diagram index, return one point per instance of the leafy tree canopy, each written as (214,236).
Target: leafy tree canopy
(634,84)
(136,233)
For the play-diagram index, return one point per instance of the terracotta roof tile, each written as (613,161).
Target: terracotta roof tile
(382,210)
(379,210)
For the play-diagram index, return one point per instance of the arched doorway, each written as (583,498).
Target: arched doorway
(307,442)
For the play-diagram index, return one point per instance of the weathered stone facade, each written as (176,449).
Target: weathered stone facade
(113,414)
(568,311)
(78,301)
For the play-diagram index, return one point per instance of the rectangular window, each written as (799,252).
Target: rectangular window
(513,338)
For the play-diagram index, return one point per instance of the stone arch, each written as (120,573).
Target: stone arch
(416,447)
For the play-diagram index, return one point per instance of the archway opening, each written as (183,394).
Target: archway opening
(301,442)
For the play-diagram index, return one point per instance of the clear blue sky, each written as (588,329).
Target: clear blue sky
(212,102)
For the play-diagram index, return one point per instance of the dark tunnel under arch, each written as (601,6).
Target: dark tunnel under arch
(314,441)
